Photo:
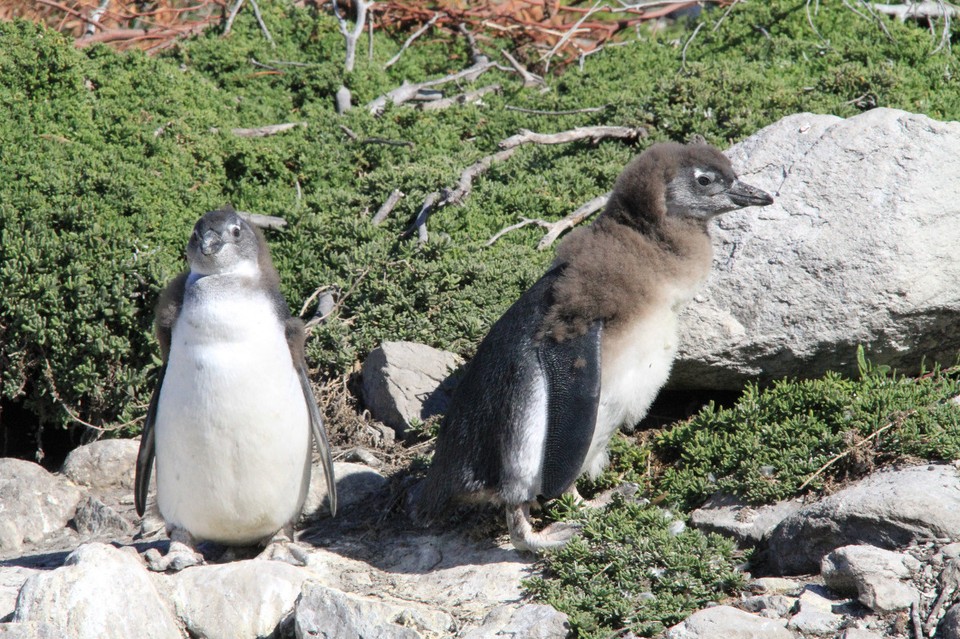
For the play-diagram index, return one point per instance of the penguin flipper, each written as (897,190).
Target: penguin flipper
(295,340)
(572,371)
(146,452)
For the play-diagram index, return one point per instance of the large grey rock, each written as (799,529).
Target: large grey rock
(29,630)
(234,600)
(949,627)
(356,483)
(530,621)
(99,593)
(94,518)
(11,580)
(108,463)
(859,248)
(33,503)
(729,623)
(729,516)
(404,381)
(888,509)
(325,612)
(873,575)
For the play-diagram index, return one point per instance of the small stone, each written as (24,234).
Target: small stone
(94,518)
(730,516)
(363,456)
(405,381)
(108,463)
(872,574)
(530,621)
(775,586)
(859,633)
(777,605)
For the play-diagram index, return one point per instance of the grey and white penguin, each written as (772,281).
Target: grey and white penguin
(231,418)
(587,348)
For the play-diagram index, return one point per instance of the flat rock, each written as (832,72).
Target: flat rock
(888,509)
(33,503)
(234,600)
(729,623)
(530,621)
(730,516)
(93,518)
(324,612)
(814,614)
(858,248)
(11,580)
(859,633)
(29,630)
(405,382)
(873,575)
(108,463)
(99,593)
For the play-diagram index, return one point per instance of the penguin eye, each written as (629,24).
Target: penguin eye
(704,180)
(235,231)
(196,236)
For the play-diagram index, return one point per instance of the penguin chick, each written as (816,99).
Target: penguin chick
(231,418)
(587,348)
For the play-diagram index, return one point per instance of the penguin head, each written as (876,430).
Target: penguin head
(690,181)
(223,242)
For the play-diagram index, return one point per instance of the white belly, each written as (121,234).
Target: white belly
(634,367)
(232,428)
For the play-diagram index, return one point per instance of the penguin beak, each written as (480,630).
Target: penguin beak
(210,243)
(742,194)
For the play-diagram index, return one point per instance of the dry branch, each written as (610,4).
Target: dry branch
(927,9)
(469,97)
(529,79)
(263,221)
(579,215)
(387,207)
(263,131)
(592,133)
(406,91)
(563,112)
(419,32)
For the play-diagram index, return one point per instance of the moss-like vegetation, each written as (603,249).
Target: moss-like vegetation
(636,566)
(803,435)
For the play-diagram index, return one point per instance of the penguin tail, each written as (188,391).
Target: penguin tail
(426,501)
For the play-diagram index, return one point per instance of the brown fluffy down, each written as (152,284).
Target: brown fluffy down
(633,255)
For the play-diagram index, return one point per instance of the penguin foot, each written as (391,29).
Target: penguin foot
(178,557)
(628,490)
(289,552)
(523,537)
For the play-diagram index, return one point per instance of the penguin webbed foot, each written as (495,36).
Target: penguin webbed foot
(628,490)
(284,547)
(523,537)
(180,555)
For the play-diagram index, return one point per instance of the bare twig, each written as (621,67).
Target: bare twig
(567,112)
(915,620)
(464,98)
(529,79)
(308,326)
(725,14)
(569,34)
(593,133)
(916,10)
(263,131)
(234,10)
(416,34)
(407,91)
(949,581)
(263,26)
(579,215)
(896,422)
(519,225)
(351,37)
(313,296)
(263,221)
(420,224)
(95,16)
(387,207)
(683,53)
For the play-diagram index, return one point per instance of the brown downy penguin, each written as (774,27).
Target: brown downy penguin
(231,418)
(587,347)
